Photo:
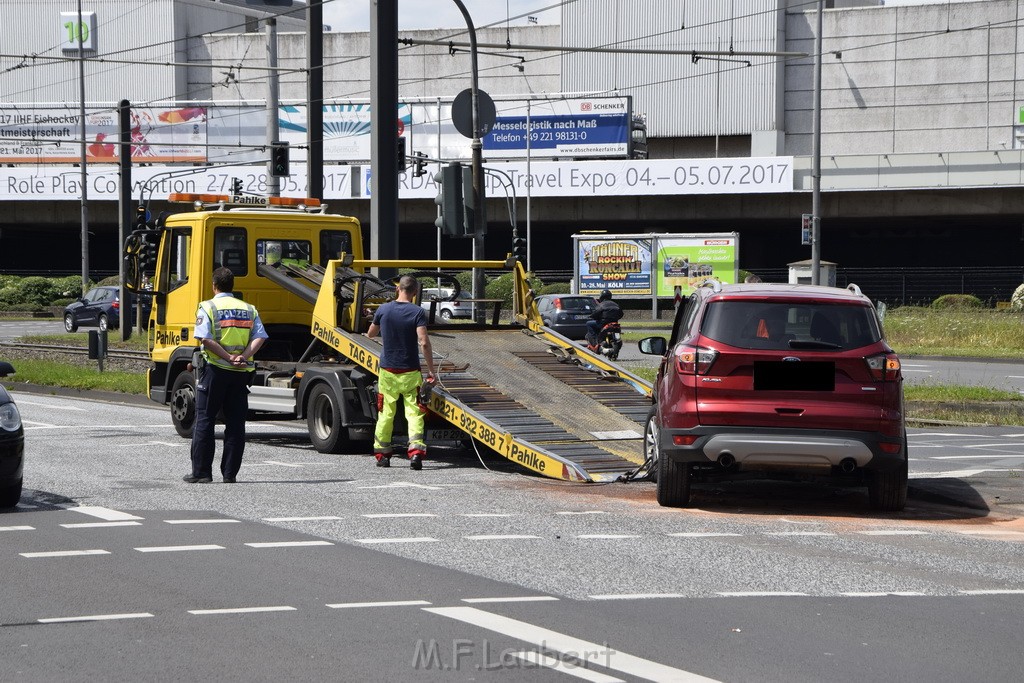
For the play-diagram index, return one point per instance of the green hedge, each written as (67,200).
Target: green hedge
(958,301)
(36,293)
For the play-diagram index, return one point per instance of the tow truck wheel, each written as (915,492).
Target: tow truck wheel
(183,404)
(69,323)
(323,418)
(10,495)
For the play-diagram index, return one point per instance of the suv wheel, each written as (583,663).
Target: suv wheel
(445,314)
(673,489)
(651,448)
(69,323)
(887,491)
(104,324)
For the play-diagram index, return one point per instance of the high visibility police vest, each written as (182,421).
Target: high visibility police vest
(232,320)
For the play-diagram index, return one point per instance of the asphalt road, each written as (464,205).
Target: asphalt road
(317,566)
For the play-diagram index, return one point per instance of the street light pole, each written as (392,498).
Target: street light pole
(816,172)
(85,173)
(477,159)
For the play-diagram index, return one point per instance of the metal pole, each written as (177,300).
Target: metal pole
(478,160)
(85,174)
(273,102)
(125,213)
(384,140)
(315,100)
(816,173)
(529,195)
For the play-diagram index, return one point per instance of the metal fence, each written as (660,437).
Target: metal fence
(910,286)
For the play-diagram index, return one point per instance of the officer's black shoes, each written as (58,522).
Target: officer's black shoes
(383,460)
(192,479)
(229,480)
(416,462)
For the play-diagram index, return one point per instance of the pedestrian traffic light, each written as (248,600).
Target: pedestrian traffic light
(401,154)
(450,215)
(279,160)
(419,164)
(518,247)
(469,201)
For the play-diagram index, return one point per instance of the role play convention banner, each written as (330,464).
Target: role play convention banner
(52,135)
(659,265)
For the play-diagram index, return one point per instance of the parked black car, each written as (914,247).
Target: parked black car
(12,445)
(566,314)
(100,307)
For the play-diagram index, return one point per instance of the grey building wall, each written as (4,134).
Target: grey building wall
(908,78)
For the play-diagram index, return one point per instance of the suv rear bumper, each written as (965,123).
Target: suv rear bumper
(781,448)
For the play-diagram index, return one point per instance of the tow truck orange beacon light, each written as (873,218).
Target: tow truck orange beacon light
(199,200)
(299,202)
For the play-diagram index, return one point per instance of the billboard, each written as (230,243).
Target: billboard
(52,135)
(655,265)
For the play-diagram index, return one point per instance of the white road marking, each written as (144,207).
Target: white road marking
(325,518)
(548,640)
(486,514)
(915,436)
(534,658)
(177,548)
(635,596)
(30,425)
(66,553)
(281,464)
(895,532)
(500,537)
(396,515)
(763,594)
(288,544)
(990,532)
(164,444)
(525,598)
(417,539)
(1008,591)
(104,513)
(607,536)
(701,534)
(403,484)
(393,603)
(95,617)
(1012,436)
(17,528)
(22,402)
(581,512)
(871,594)
(96,525)
(800,533)
(243,610)
(203,521)
(951,474)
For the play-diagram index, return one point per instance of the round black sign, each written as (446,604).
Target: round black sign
(462,112)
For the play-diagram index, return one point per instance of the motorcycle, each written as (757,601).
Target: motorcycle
(609,341)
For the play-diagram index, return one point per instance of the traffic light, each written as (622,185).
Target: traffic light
(236,186)
(147,253)
(518,247)
(279,160)
(470,221)
(419,164)
(449,200)
(401,154)
(141,218)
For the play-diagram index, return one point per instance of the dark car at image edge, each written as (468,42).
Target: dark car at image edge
(770,379)
(12,445)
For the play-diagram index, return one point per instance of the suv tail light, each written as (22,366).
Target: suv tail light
(116,305)
(694,360)
(885,367)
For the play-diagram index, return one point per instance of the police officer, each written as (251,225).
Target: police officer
(230,333)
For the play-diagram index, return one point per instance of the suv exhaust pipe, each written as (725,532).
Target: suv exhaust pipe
(726,460)
(848,465)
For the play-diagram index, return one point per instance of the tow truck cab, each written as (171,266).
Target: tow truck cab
(240,234)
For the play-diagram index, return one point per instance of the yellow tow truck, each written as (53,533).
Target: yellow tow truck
(505,380)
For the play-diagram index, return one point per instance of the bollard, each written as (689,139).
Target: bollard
(98,346)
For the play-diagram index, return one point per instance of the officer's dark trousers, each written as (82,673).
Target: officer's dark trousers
(218,390)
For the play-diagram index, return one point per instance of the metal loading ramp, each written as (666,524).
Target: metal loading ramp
(557,415)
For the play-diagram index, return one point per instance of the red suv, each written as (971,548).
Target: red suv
(777,378)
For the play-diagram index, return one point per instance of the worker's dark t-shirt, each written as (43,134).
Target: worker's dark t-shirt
(398,321)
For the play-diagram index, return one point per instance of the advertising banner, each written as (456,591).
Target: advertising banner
(684,262)
(346,129)
(578,128)
(619,264)
(52,135)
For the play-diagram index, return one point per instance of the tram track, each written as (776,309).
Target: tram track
(52,349)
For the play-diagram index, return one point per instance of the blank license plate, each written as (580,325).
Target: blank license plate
(794,376)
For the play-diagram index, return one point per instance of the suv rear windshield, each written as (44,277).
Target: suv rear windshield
(782,325)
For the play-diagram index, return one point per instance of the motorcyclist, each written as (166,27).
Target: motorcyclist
(607,311)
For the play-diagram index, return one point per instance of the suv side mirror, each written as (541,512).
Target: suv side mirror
(653,346)
(6,369)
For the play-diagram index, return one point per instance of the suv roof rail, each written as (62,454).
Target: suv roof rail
(855,289)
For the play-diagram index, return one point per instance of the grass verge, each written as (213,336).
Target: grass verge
(63,374)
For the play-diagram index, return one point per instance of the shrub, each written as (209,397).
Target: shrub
(958,301)
(556,288)
(61,303)
(25,307)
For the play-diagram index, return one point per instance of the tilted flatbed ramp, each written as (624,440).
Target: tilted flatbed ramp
(525,393)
